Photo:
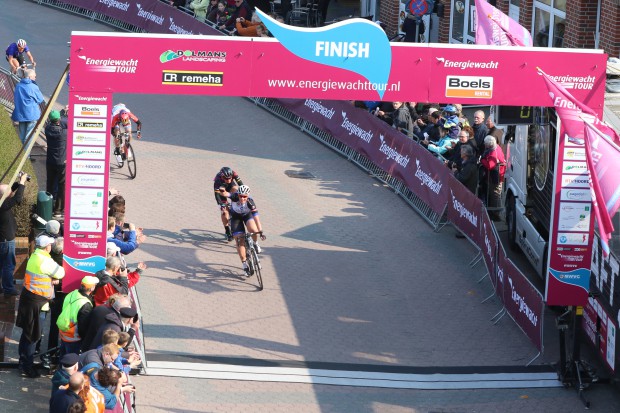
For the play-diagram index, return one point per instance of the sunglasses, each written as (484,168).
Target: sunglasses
(243,196)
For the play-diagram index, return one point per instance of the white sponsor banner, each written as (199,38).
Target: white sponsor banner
(88,180)
(89,167)
(575,181)
(90,125)
(570,194)
(93,111)
(87,138)
(575,154)
(574,217)
(570,141)
(567,238)
(577,168)
(87,203)
(85,225)
(89,152)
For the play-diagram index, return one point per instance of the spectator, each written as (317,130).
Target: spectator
(220,14)
(112,279)
(412,108)
(56,135)
(8,230)
(445,142)
(384,112)
(248,28)
(78,406)
(127,246)
(27,98)
(451,121)
(200,9)
(133,276)
(492,177)
(92,398)
(465,138)
(63,398)
(497,133)
(52,229)
(67,365)
(480,130)
(401,119)
(98,318)
(73,320)
(125,320)
(177,3)
(261,31)
(468,174)
(462,118)
(431,134)
(411,25)
(240,9)
(103,377)
(41,273)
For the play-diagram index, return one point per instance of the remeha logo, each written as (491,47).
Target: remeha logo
(480,87)
(193,56)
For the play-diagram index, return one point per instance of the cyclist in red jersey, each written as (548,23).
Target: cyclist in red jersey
(121,119)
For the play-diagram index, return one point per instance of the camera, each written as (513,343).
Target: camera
(22,173)
(126,225)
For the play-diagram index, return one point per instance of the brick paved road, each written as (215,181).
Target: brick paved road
(352,274)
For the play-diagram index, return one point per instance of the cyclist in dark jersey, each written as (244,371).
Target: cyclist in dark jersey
(244,216)
(229,180)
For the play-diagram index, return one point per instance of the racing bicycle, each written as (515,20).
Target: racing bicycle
(252,258)
(127,154)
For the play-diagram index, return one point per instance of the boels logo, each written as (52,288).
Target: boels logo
(476,87)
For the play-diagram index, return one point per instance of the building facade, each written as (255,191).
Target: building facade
(591,24)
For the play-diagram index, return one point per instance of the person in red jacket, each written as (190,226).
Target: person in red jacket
(493,165)
(113,279)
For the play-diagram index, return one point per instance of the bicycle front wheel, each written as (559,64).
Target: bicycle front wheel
(257,268)
(131,161)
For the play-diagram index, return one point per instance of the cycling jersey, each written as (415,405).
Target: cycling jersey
(219,182)
(116,120)
(248,207)
(13,51)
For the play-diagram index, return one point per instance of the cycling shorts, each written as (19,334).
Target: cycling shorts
(125,128)
(237,222)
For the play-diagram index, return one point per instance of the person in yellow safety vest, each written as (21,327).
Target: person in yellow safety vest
(73,320)
(41,273)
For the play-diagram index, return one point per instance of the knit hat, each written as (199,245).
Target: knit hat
(52,227)
(54,115)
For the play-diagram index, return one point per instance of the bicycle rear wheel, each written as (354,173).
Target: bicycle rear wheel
(257,268)
(131,161)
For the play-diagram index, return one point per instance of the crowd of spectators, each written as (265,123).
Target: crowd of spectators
(473,152)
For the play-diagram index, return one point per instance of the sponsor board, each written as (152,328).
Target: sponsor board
(187,77)
(575,181)
(575,82)
(93,180)
(89,138)
(571,194)
(85,225)
(208,56)
(392,153)
(355,129)
(88,167)
(571,141)
(568,238)
(110,65)
(95,111)
(574,217)
(89,152)
(87,203)
(91,125)
(477,87)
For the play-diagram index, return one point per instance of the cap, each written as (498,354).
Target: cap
(54,115)
(432,110)
(43,241)
(128,312)
(52,227)
(69,360)
(110,246)
(90,280)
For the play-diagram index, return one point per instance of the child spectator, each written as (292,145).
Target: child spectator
(220,14)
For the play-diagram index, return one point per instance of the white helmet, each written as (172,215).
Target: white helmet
(243,190)
(21,43)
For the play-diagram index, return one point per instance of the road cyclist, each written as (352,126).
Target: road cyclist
(229,181)
(121,121)
(15,55)
(244,216)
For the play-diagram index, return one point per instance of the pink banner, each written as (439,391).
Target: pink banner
(522,301)
(465,211)
(262,67)
(88,149)
(495,28)
(488,246)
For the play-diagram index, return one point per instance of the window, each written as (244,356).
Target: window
(549,23)
(462,27)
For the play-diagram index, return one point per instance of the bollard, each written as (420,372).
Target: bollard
(45,202)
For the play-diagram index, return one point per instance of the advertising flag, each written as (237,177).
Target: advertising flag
(574,113)
(495,28)
(602,156)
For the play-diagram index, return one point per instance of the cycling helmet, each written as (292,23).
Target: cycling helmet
(243,190)
(21,43)
(226,172)
(450,110)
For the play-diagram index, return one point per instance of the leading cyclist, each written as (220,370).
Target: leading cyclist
(121,118)
(243,211)
(15,55)
(228,180)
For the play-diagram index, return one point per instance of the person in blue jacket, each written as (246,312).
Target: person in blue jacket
(27,99)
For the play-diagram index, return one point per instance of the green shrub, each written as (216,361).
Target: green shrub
(10,144)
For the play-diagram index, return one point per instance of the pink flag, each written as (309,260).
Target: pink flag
(495,28)
(573,113)
(603,156)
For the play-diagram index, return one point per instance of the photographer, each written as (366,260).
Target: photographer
(8,229)
(129,238)
(112,279)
